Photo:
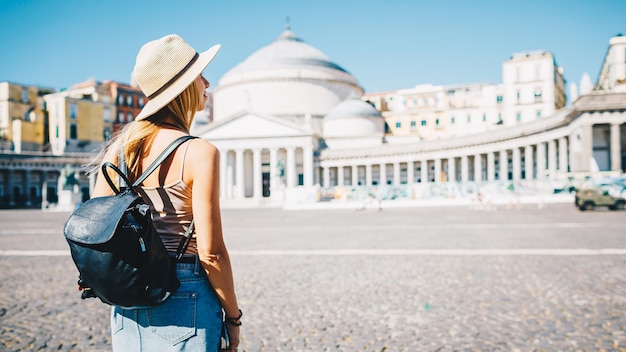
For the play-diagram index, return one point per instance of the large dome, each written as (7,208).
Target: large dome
(285,78)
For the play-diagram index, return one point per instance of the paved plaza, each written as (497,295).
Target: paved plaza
(401,279)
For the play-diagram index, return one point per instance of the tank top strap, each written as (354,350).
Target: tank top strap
(182,161)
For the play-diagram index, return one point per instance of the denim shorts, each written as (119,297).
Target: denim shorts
(190,320)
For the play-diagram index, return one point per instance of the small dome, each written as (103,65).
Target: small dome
(353,118)
(352,108)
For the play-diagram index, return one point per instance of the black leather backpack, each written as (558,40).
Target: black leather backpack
(118,253)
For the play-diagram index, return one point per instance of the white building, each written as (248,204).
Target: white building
(288,122)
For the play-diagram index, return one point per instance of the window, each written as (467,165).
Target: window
(106,115)
(25,95)
(140,102)
(107,134)
(452,120)
(129,100)
(517,96)
(398,124)
(538,113)
(437,122)
(499,117)
(73,131)
(129,117)
(413,124)
(537,95)
(120,99)
(73,111)
(469,118)
(518,117)
(484,117)
(120,117)
(423,122)
(499,99)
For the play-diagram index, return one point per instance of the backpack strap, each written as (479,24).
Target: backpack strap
(161,158)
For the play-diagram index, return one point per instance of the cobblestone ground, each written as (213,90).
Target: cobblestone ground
(341,301)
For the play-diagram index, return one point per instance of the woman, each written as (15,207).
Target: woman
(184,187)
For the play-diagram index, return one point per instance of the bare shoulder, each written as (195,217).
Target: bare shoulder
(201,151)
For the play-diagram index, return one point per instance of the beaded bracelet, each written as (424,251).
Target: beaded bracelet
(234,321)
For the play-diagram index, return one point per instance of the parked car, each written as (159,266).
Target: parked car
(592,194)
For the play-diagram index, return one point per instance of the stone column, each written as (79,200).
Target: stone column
(340,176)
(383,174)
(355,175)
(586,153)
(528,162)
(517,164)
(396,173)
(451,169)
(464,168)
(437,170)
(291,167)
(616,148)
(326,172)
(230,176)
(491,166)
(424,171)
(257,179)
(552,159)
(504,165)
(478,168)
(410,172)
(307,166)
(223,170)
(563,155)
(274,173)
(541,161)
(368,175)
(239,169)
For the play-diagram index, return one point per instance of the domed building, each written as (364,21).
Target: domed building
(287,121)
(271,113)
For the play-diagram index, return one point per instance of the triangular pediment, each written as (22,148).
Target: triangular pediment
(250,125)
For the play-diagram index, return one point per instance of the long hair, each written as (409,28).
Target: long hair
(136,138)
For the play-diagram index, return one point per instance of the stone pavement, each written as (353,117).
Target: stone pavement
(403,279)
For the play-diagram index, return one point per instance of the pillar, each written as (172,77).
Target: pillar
(616,148)
(257,179)
(307,166)
(451,169)
(552,159)
(239,170)
(491,166)
(478,168)
(437,170)
(291,167)
(528,162)
(504,165)
(517,164)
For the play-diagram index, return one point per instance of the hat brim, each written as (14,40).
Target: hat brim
(157,103)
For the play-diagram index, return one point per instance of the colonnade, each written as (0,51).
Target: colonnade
(540,157)
(254,172)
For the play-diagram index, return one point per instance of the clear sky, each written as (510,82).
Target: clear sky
(387,45)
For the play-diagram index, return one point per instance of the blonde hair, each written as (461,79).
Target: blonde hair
(136,138)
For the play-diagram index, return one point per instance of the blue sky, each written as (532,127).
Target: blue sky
(387,45)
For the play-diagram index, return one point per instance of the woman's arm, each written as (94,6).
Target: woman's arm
(203,164)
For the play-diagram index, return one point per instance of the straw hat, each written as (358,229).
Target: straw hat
(165,67)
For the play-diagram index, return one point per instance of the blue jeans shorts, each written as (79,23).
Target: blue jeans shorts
(190,320)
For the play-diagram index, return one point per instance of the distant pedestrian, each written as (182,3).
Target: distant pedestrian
(184,187)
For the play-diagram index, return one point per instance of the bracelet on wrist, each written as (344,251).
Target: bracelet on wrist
(234,321)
